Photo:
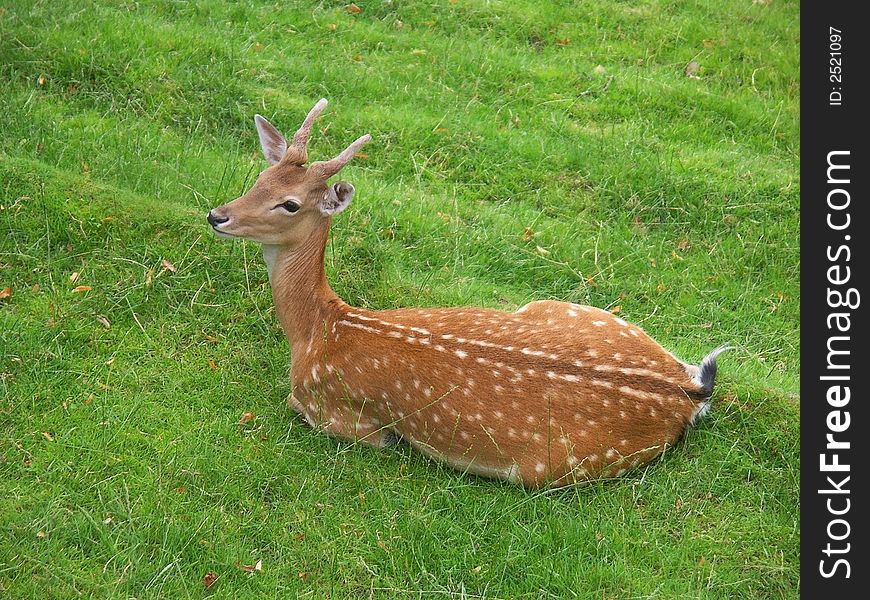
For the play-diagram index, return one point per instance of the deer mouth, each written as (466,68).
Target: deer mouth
(217,224)
(223,234)
(218,230)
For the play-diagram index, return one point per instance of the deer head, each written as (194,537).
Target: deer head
(289,200)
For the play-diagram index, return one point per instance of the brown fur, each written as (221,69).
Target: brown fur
(555,393)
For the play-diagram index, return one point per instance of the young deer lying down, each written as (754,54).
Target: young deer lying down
(552,394)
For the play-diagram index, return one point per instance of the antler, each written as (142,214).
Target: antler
(325,169)
(297,153)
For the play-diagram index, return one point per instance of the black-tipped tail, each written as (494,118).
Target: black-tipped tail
(705,378)
(707,371)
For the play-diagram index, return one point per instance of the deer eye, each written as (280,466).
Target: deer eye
(290,206)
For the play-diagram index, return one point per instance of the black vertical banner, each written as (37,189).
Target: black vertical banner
(834,344)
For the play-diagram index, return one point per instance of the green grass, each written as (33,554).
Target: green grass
(519,154)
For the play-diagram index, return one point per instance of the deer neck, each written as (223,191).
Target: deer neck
(300,291)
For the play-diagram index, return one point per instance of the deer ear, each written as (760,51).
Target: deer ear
(337,198)
(273,143)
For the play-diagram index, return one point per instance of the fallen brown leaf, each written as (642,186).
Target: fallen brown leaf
(303,575)
(41,80)
(353,9)
(41,534)
(85,167)
(74,277)
(563,42)
(209,579)
(251,568)
(5,293)
(48,436)
(81,288)
(212,365)
(168,266)
(248,416)
(298,537)
(332,26)
(616,309)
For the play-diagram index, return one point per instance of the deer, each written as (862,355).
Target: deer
(550,395)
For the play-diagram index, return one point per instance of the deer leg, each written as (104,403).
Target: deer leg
(293,403)
(340,419)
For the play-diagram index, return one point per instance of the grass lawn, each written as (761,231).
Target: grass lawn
(637,156)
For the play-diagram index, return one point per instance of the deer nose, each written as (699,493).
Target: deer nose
(215,220)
